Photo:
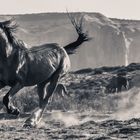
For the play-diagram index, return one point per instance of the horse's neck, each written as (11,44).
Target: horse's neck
(13,58)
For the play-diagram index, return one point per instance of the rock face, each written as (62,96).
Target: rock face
(114,42)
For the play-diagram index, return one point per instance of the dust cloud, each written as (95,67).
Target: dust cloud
(68,119)
(128,105)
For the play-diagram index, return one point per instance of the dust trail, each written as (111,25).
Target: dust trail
(67,118)
(71,118)
(128,105)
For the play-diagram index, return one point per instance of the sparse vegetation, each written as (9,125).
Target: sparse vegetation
(87,91)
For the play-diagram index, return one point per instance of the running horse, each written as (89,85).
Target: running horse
(41,65)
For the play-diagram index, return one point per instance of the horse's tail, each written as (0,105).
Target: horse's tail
(82,37)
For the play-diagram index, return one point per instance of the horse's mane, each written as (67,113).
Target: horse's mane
(10,27)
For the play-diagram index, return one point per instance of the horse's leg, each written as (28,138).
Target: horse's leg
(35,118)
(62,92)
(126,85)
(7,98)
(62,95)
(119,88)
(36,115)
(52,99)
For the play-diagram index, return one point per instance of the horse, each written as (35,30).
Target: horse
(41,65)
(116,84)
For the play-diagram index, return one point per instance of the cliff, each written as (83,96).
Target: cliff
(114,41)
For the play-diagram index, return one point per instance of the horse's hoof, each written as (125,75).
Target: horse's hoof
(14,111)
(26,125)
(29,123)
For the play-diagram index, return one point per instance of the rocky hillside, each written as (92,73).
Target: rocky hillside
(114,42)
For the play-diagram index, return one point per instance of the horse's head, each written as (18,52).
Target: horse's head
(6,38)
(6,45)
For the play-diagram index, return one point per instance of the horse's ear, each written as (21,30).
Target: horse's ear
(9,21)
(10,24)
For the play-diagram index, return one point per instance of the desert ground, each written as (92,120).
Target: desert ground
(88,114)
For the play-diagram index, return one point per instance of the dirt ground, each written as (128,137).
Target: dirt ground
(70,125)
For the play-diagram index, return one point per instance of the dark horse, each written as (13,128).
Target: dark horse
(41,65)
(116,84)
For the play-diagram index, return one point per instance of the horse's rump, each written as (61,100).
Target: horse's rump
(44,60)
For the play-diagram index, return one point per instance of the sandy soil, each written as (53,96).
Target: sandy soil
(70,125)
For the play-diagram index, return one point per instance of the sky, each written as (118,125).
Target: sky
(124,9)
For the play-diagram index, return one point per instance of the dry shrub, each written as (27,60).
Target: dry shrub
(27,100)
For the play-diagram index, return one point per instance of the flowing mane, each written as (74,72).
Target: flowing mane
(10,27)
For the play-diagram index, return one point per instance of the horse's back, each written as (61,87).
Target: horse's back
(44,47)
